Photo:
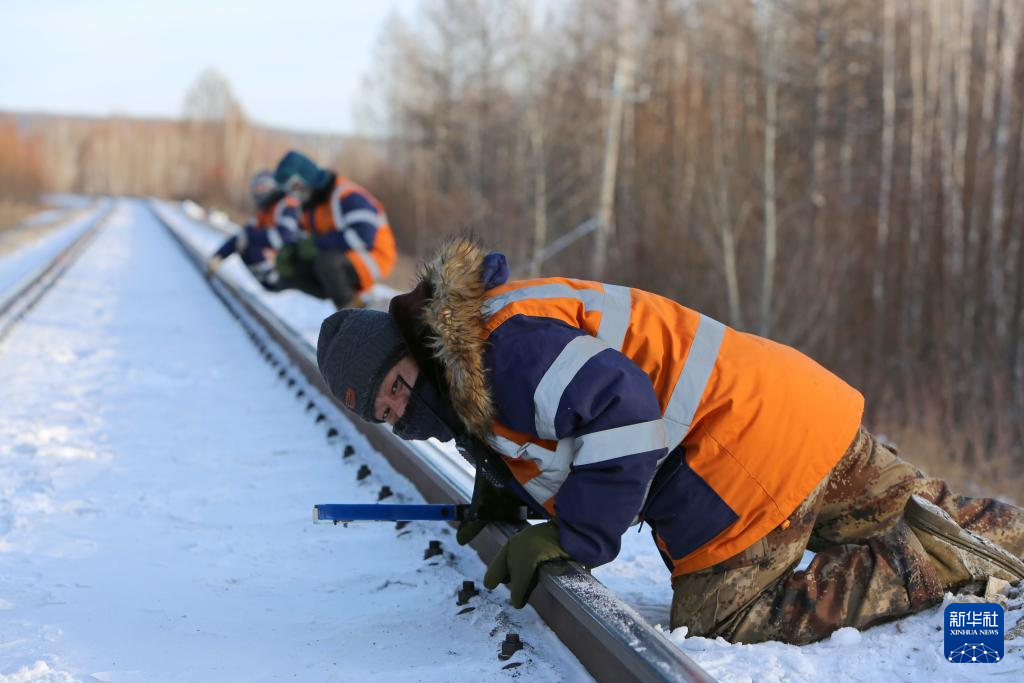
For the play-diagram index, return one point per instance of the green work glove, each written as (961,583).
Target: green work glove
(285,263)
(516,564)
(490,504)
(307,248)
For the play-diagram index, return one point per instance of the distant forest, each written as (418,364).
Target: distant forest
(846,177)
(207,155)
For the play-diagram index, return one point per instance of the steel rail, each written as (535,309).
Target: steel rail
(21,297)
(609,637)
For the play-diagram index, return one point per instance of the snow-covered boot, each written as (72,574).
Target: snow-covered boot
(962,558)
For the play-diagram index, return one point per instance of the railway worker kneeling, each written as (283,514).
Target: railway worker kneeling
(347,244)
(611,405)
(275,226)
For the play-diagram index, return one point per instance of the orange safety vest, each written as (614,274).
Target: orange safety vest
(760,422)
(371,264)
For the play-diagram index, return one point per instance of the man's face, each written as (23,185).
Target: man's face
(297,187)
(393,394)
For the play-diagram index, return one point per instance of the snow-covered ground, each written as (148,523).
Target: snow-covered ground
(910,649)
(156,482)
(155,486)
(26,261)
(45,216)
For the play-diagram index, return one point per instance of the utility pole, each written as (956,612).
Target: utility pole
(622,87)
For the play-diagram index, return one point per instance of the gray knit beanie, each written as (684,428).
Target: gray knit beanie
(357,347)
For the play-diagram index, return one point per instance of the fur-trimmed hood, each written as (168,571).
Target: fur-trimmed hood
(442,322)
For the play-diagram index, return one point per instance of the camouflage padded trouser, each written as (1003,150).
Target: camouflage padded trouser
(330,275)
(869,567)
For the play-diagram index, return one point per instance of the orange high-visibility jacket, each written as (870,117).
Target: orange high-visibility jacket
(742,430)
(610,403)
(761,424)
(352,220)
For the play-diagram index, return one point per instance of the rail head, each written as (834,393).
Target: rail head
(608,636)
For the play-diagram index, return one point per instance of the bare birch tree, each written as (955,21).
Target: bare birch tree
(998,263)
(769,76)
(878,294)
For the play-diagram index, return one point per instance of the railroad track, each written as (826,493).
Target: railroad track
(21,297)
(608,636)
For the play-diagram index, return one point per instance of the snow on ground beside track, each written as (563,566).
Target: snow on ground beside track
(46,216)
(909,650)
(156,482)
(21,264)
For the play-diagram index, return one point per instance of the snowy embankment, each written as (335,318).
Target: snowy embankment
(156,481)
(25,263)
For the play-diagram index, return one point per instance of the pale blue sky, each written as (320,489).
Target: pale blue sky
(297,65)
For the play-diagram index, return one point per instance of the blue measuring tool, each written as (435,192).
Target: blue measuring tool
(383,512)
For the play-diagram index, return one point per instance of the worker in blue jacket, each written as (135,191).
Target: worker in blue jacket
(275,225)
(346,245)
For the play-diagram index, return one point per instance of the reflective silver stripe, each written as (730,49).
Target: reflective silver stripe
(551,386)
(364,216)
(264,272)
(505,446)
(553,465)
(288,222)
(541,489)
(619,442)
(591,298)
(546,459)
(555,462)
(614,304)
(615,315)
(554,468)
(274,237)
(241,241)
(352,239)
(279,211)
(339,220)
(358,247)
(692,380)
